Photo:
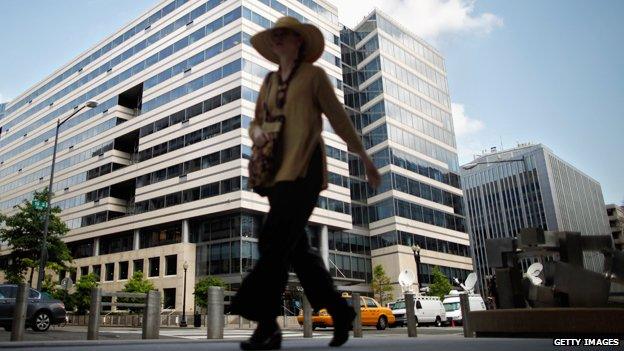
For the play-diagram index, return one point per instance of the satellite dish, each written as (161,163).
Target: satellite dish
(470,282)
(534,273)
(406,279)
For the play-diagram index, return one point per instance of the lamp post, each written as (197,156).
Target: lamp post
(416,249)
(183,321)
(44,248)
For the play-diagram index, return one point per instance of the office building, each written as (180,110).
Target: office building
(397,93)
(615,214)
(529,187)
(156,174)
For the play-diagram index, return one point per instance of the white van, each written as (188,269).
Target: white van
(429,310)
(453,309)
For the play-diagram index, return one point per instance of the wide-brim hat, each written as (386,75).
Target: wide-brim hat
(312,37)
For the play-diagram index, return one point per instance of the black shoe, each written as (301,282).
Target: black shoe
(343,322)
(263,340)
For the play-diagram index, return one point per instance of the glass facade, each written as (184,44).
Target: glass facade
(396,92)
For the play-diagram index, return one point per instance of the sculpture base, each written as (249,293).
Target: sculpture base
(547,322)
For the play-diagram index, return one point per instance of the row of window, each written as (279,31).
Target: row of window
(231,257)
(194,85)
(395,207)
(196,136)
(192,111)
(411,141)
(348,242)
(425,273)
(391,110)
(206,229)
(346,266)
(32,143)
(266,23)
(68,162)
(198,58)
(49,135)
(413,81)
(408,239)
(336,153)
(412,43)
(416,102)
(108,66)
(193,194)
(419,189)
(171,268)
(148,22)
(398,53)
(286,11)
(412,163)
(180,169)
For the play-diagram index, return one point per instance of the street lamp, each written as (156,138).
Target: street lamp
(183,321)
(416,250)
(44,248)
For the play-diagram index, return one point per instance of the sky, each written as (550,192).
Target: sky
(535,71)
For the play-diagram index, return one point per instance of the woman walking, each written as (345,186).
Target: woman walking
(288,124)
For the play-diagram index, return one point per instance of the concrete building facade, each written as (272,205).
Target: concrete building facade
(156,175)
(615,215)
(528,187)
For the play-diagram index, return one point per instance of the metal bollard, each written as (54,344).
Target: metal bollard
(357,322)
(307,318)
(93,330)
(19,313)
(215,313)
(464,303)
(410,315)
(151,315)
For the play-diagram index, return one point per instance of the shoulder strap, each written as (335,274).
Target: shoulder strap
(267,82)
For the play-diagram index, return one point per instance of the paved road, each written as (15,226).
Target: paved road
(368,343)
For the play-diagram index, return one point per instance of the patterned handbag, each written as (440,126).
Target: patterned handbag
(265,159)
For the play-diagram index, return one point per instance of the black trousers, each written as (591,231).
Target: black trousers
(282,243)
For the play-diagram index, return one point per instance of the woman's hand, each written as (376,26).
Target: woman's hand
(259,137)
(372,174)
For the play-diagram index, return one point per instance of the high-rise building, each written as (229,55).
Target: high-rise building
(615,214)
(156,174)
(396,91)
(528,187)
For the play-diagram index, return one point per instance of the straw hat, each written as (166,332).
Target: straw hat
(313,39)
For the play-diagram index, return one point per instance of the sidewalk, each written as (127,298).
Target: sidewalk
(425,343)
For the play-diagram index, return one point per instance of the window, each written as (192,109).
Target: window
(97,270)
(154,266)
(138,266)
(370,303)
(110,272)
(84,270)
(171,265)
(169,298)
(123,270)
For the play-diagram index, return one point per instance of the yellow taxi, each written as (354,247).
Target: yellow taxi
(373,314)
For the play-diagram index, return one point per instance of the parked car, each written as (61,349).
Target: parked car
(428,309)
(42,310)
(453,309)
(373,314)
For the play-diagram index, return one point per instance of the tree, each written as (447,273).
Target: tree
(82,297)
(201,290)
(381,285)
(137,284)
(441,285)
(23,232)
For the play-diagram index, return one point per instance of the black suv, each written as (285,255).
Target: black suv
(42,311)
